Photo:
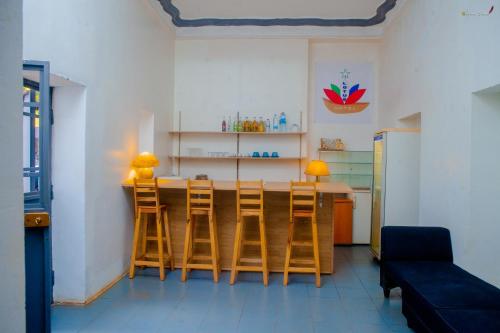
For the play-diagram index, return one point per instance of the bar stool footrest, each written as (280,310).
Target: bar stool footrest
(302,243)
(251,260)
(302,261)
(249,268)
(302,270)
(251,242)
(166,257)
(201,257)
(200,266)
(201,240)
(147,263)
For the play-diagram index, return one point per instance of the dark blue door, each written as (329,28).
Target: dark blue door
(37,122)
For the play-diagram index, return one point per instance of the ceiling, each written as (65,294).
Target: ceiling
(324,13)
(277,8)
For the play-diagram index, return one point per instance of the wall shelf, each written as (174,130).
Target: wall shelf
(247,158)
(235,133)
(238,137)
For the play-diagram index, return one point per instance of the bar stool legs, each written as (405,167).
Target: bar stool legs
(214,249)
(188,254)
(236,251)
(289,249)
(159,235)
(135,241)
(263,250)
(302,206)
(314,227)
(187,249)
(237,259)
(250,204)
(288,252)
(200,203)
(141,239)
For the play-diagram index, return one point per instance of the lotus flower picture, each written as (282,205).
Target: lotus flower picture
(344,101)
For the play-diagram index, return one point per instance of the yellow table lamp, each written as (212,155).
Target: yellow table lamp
(144,164)
(317,168)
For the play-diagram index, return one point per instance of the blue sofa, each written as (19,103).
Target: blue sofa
(438,296)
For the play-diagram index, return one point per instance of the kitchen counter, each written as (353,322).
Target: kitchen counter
(276,214)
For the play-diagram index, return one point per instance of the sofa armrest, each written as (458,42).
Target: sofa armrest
(416,243)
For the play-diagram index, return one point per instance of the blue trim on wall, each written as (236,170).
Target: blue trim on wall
(378,18)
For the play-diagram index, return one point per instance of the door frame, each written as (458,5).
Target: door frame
(38,241)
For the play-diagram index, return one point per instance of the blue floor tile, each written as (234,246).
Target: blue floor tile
(351,300)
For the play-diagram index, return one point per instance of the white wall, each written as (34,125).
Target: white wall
(123,53)
(68,176)
(432,60)
(355,136)
(219,77)
(483,228)
(12,289)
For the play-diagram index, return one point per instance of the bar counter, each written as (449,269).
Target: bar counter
(276,213)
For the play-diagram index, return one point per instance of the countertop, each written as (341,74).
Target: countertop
(226,185)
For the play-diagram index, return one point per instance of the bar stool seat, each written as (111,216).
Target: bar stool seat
(250,203)
(147,203)
(303,207)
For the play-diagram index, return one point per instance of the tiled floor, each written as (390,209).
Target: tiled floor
(349,301)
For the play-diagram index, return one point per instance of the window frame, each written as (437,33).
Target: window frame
(45,130)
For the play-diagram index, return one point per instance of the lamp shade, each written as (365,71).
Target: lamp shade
(145,160)
(317,168)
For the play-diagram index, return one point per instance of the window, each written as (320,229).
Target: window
(31,146)
(36,137)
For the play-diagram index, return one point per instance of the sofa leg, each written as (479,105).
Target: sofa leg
(387,292)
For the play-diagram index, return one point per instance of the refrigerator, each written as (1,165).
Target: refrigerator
(396,181)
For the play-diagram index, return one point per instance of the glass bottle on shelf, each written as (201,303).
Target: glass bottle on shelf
(246,125)
(255,125)
(262,125)
(239,126)
(268,125)
(224,124)
(229,124)
(275,123)
(235,125)
(282,125)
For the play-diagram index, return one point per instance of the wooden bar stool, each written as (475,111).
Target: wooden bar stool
(302,206)
(147,203)
(200,202)
(250,203)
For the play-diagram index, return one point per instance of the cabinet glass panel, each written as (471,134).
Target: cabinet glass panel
(355,168)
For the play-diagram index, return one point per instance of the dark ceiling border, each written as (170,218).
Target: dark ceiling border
(378,18)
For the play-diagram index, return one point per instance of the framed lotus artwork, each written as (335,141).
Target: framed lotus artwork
(343,93)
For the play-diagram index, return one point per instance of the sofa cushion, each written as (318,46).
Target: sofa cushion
(404,272)
(415,243)
(445,290)
(469,321)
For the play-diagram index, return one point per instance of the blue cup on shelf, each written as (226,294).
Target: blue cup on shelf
(255,154)
(265,154)
(275,154)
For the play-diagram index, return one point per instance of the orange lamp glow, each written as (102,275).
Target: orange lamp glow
(317,168)
(144,164)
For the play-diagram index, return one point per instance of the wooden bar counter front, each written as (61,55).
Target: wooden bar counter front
(276,214)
